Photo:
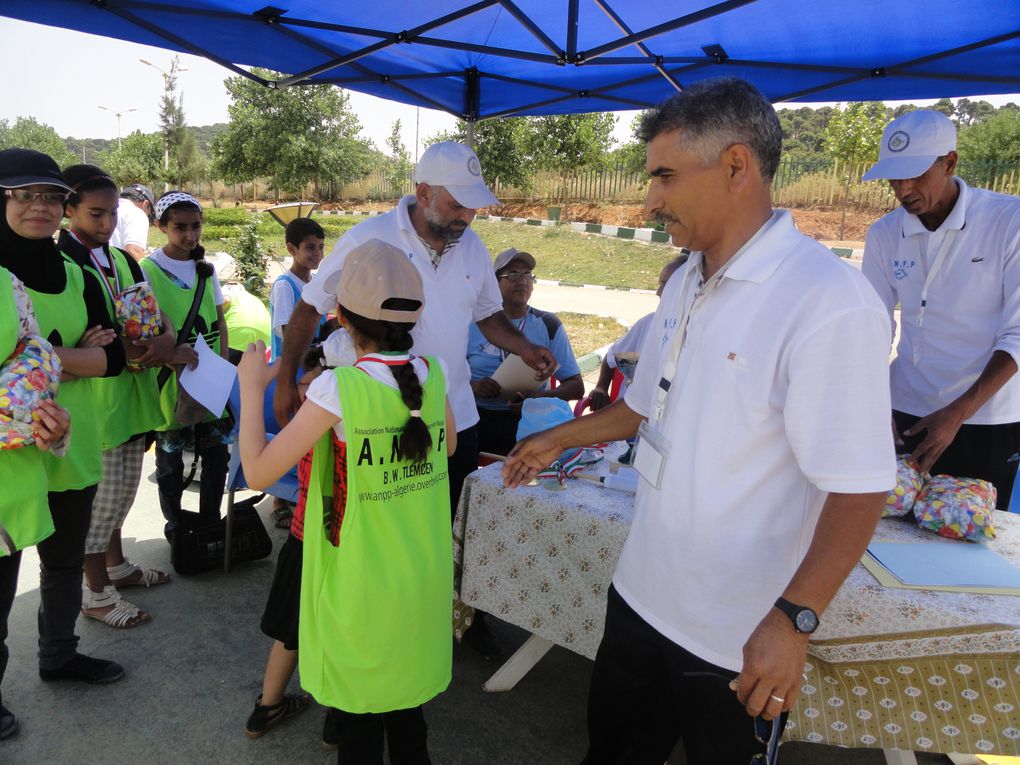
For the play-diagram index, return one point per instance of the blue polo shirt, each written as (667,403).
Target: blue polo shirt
(484,358)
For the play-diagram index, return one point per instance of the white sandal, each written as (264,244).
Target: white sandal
(122,613)
(149,576)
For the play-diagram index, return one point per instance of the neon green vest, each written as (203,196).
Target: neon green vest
(176,302)
(24,512)
(65,313)
(375,627)
(248,320)
(128,403)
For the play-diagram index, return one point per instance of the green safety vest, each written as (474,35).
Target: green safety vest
(375,628)
(175,302)
(65,313)
(248,320)
(129,402)
(24,512)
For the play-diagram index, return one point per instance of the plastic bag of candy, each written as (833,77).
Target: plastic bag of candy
(957,508)
(31,374)
(909,481)
(137,314)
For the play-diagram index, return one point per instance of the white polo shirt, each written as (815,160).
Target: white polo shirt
(972,305)
(463,290)
(132,226)
(780,394)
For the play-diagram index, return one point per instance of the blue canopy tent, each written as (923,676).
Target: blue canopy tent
(494,58)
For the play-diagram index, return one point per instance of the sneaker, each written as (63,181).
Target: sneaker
(330,732)
(264,717)
(8,723)
(86,669)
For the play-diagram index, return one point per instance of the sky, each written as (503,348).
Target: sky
(71,74)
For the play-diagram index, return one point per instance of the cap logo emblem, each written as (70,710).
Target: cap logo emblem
(898,141)
(474,167)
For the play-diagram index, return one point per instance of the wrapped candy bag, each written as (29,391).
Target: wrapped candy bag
(30,375)
(909,481)
(137,313)
(957,508)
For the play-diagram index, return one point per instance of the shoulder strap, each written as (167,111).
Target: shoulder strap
(551,321)
(189,322)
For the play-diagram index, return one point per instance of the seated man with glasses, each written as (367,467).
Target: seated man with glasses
(497,427)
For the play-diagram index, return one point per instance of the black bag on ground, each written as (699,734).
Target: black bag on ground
(198,547)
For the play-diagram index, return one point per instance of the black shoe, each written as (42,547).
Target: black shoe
(480,638)
(330,732)
(86,669)
(264,717)
(8,723)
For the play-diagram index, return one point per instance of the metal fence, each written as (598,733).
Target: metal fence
(797,183)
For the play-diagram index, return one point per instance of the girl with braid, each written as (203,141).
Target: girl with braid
(377,572)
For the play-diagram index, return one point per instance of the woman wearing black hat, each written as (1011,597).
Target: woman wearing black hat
(72,316)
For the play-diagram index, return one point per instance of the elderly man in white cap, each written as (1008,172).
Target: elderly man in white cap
(950,257)
(433,228)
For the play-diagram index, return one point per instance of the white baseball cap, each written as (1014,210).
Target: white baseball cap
(911,144)
(455,167)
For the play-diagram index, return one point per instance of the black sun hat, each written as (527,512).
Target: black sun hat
(25,167)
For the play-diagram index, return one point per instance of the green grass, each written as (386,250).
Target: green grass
(562,254)
(586,332)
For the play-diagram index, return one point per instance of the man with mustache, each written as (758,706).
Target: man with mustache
(433,228)
(761,397)
(950,257)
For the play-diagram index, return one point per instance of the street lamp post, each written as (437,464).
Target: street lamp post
(118,115)
(166,145)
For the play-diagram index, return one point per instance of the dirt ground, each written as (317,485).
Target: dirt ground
(821,224)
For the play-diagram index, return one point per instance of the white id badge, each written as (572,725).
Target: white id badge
(650,459)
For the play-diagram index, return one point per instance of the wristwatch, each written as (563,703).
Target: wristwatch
(804,619)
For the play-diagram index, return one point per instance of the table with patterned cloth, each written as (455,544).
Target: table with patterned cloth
(889,668)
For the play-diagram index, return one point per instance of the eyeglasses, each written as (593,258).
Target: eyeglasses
(515,277)
(49,197)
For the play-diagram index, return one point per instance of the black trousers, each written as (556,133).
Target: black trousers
(978,451)
(61,562)
(647,692)
(10,565)
(361,737)
(170,478)
(462,463)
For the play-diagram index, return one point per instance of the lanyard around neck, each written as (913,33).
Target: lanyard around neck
(929,276)
(111,291)
(520,328)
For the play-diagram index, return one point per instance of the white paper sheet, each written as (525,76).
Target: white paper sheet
(514,376)
(210,382)
(963,564)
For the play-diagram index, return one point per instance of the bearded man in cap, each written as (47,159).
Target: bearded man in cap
(950,257)
(432,227)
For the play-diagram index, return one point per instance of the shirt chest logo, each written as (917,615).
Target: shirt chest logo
(903,268)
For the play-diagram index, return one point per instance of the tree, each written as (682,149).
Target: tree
(944,105)
(291,135)
(400,170)
(501,148)
(852,137)
(182,161)
(996,139)
(568,142)
(804,131)
(138,160)
(27,133)
(972,112)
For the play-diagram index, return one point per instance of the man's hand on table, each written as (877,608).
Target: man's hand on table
(942,426)
(529,458)
(774,658)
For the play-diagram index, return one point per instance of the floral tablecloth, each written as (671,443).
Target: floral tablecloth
(889,668)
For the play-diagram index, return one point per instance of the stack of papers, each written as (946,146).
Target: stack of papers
(935,565)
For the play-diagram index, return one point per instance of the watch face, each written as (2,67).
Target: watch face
(806,620)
